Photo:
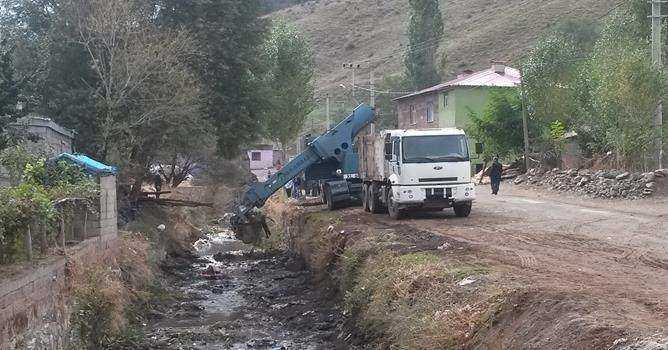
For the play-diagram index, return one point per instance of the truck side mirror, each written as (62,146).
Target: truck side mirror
(479,148)
(388,149)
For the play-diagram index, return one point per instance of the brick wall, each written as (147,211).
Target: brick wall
(34,304)
(419,105)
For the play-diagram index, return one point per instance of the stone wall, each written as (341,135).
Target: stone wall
(34,303)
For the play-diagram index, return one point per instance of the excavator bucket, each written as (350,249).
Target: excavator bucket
(249,227)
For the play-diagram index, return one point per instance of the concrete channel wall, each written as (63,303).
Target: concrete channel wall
(35,303)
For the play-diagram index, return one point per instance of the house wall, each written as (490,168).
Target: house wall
(419,103)
(266,159)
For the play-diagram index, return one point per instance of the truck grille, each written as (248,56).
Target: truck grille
(438,179)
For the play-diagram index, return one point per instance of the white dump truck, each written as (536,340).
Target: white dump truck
(410,170)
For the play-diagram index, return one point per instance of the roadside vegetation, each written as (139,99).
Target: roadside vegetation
(30,205)
(111,302)
(597,80)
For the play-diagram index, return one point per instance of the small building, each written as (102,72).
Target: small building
(263,161)
(448,104)
(56,136)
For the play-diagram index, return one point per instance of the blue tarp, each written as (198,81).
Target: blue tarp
(89,165)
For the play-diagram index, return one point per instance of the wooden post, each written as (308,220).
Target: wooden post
(62,231)
(85,223)
(29,244)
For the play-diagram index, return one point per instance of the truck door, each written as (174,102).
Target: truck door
(396,155)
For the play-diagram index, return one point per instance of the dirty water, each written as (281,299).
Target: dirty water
(238,297)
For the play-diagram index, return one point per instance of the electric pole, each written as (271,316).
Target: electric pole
(525,122)
(657,19)
(352,66)
(329,122)
(372,92)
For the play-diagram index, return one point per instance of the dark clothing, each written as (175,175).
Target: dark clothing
(495,176)
(157,183)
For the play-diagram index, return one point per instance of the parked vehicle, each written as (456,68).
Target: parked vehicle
(408,170)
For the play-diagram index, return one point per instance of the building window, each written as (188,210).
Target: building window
(430,113)
(445,100)
(256,156)
(411,115)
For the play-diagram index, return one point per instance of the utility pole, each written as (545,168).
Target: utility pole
(352,66)
(525,121)
(657,19)
(372,100)
(329,122)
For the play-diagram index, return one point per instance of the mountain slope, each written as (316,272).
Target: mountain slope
(477,31)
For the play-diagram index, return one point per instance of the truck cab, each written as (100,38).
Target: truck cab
(421,170)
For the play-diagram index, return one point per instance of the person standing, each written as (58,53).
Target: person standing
(495,175)
(297,188)
(288,189)
(157,184)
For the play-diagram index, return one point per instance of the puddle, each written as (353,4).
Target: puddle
(240,297)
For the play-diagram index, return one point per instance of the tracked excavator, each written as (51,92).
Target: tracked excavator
(331,159)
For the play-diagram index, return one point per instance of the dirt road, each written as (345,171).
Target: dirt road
(592,268)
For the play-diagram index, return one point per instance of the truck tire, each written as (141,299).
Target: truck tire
(392,209)
(374,201)
(365,197)
(331,205)
(463,210)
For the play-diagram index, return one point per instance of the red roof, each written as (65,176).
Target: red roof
(489,77)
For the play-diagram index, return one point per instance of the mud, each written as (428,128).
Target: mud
(238,297)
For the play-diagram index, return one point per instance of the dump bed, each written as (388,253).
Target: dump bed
(372,157)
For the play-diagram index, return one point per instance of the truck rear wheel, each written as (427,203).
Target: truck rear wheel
(392,208)
(463,210)
(374,201)
(365,197)
(328,198)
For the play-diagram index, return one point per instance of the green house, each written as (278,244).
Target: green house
(447,105)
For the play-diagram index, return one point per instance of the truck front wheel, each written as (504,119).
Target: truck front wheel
(393,208)
(463,210)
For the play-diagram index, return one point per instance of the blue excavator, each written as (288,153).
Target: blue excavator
(330,159)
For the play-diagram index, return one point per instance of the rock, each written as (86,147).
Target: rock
(661,173)
(651,185)
(161,227)
(622,176)
(572,172)
(518,180)
(648,177)
(608,175)
(466,281)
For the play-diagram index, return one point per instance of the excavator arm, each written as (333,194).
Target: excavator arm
(335,143)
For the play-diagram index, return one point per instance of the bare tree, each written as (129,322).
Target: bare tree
(144,85)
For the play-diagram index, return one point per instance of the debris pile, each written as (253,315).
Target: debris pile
(599,183)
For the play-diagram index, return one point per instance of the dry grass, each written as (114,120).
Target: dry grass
(107,297)
(413,301)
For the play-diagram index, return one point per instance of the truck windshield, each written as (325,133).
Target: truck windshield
(431,149)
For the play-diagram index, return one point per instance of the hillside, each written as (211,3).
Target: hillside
(478,31)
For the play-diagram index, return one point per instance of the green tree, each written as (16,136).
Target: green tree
(290,81)
(228,36)
(9,89)
(389,88)
(499,126)
(425,32)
